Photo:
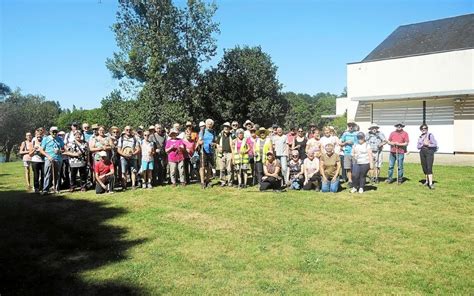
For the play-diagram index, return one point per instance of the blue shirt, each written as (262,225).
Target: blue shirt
(88,135)
(349,136)
(208,139)
(52,146)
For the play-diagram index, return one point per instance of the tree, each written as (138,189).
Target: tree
(305,109)
(161,47)
(242,86)
(22,113)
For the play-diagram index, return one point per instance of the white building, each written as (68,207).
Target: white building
(421,73)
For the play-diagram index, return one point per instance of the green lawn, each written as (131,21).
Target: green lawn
(396,239)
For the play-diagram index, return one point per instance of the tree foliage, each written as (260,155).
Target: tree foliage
(24,113)
(306,109)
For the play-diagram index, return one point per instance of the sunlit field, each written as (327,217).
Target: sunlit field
(392,239)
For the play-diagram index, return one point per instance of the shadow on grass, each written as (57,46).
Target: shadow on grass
(46,242)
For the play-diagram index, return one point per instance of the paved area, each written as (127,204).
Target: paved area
(440,158)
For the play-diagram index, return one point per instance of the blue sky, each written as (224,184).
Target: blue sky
(58,48)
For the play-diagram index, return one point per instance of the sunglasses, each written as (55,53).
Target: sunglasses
(85,127)
(300,131)
(127,130)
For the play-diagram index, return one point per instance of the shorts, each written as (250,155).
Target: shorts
(128,164)
(347,162)
(238,167)
(26,163)
(377,158)
(147,165)
(209,160)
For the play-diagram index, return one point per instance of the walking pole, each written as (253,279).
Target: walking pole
(396,160)
(54,175)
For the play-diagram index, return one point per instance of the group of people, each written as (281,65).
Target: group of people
(319,160)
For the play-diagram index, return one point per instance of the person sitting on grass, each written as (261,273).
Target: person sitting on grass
(329,167)
(295,171)
(104,174)
(271,173)
(311,172)
(148,151)
(362,162)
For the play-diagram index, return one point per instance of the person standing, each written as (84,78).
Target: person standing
(280,146)
(190,145)
(398,141)
(128,148)
(25,151)
(330,165)
(363,161)
(376,140)
(427,145)
(147,159)
(240,158)
(263,145)
(299,143)
(52,147)
(225,154)
(161,159)
(348,139)
(37,161)
(78,152)
(207,143)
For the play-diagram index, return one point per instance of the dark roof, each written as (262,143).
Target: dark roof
(447,34)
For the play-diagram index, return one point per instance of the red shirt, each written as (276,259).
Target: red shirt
(399,137)
(102,168)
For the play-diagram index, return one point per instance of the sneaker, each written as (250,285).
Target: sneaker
(431,186)
(144,185)
(149,186)
(361,190)
(222,184)
(389,181)
(376,180)
(37,191)
(353,190)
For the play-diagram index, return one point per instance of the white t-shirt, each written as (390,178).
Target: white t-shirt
(331,139)
(361,153)
(311,166)
(280,145)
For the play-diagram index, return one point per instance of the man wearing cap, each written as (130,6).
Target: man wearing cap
(52,147)
(104,174)
(376,140)
(398,141)
(206,141)
(263,144)
(348,139)
(225,154)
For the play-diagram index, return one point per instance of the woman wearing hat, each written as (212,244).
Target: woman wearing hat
(376,141)
(398,140)
(427,145)
(175,149)
(362,162)
(271,173)
(225,154)
(241,158)
(78,152)
(263,145)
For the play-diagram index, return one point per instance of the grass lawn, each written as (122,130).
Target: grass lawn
(396,239)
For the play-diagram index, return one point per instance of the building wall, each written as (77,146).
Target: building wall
(439,72)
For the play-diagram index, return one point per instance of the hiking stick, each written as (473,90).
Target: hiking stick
(54,174)
(397,162)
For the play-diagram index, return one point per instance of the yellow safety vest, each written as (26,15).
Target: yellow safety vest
(242,156)
(266,147)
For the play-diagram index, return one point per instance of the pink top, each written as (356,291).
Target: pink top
(175,155)
(250,144)
(190,146)
(27,147)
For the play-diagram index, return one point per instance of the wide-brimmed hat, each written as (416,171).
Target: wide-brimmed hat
(262,130)
(248,122)
(95,126)
(151,127)
(53,128)
(201,124)
(173,131)
(189,123)
(102,154)
(399,124)
(114,128)
(373,126)
(351,124)
(226,124)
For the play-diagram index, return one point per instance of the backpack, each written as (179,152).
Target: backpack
(434,148)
